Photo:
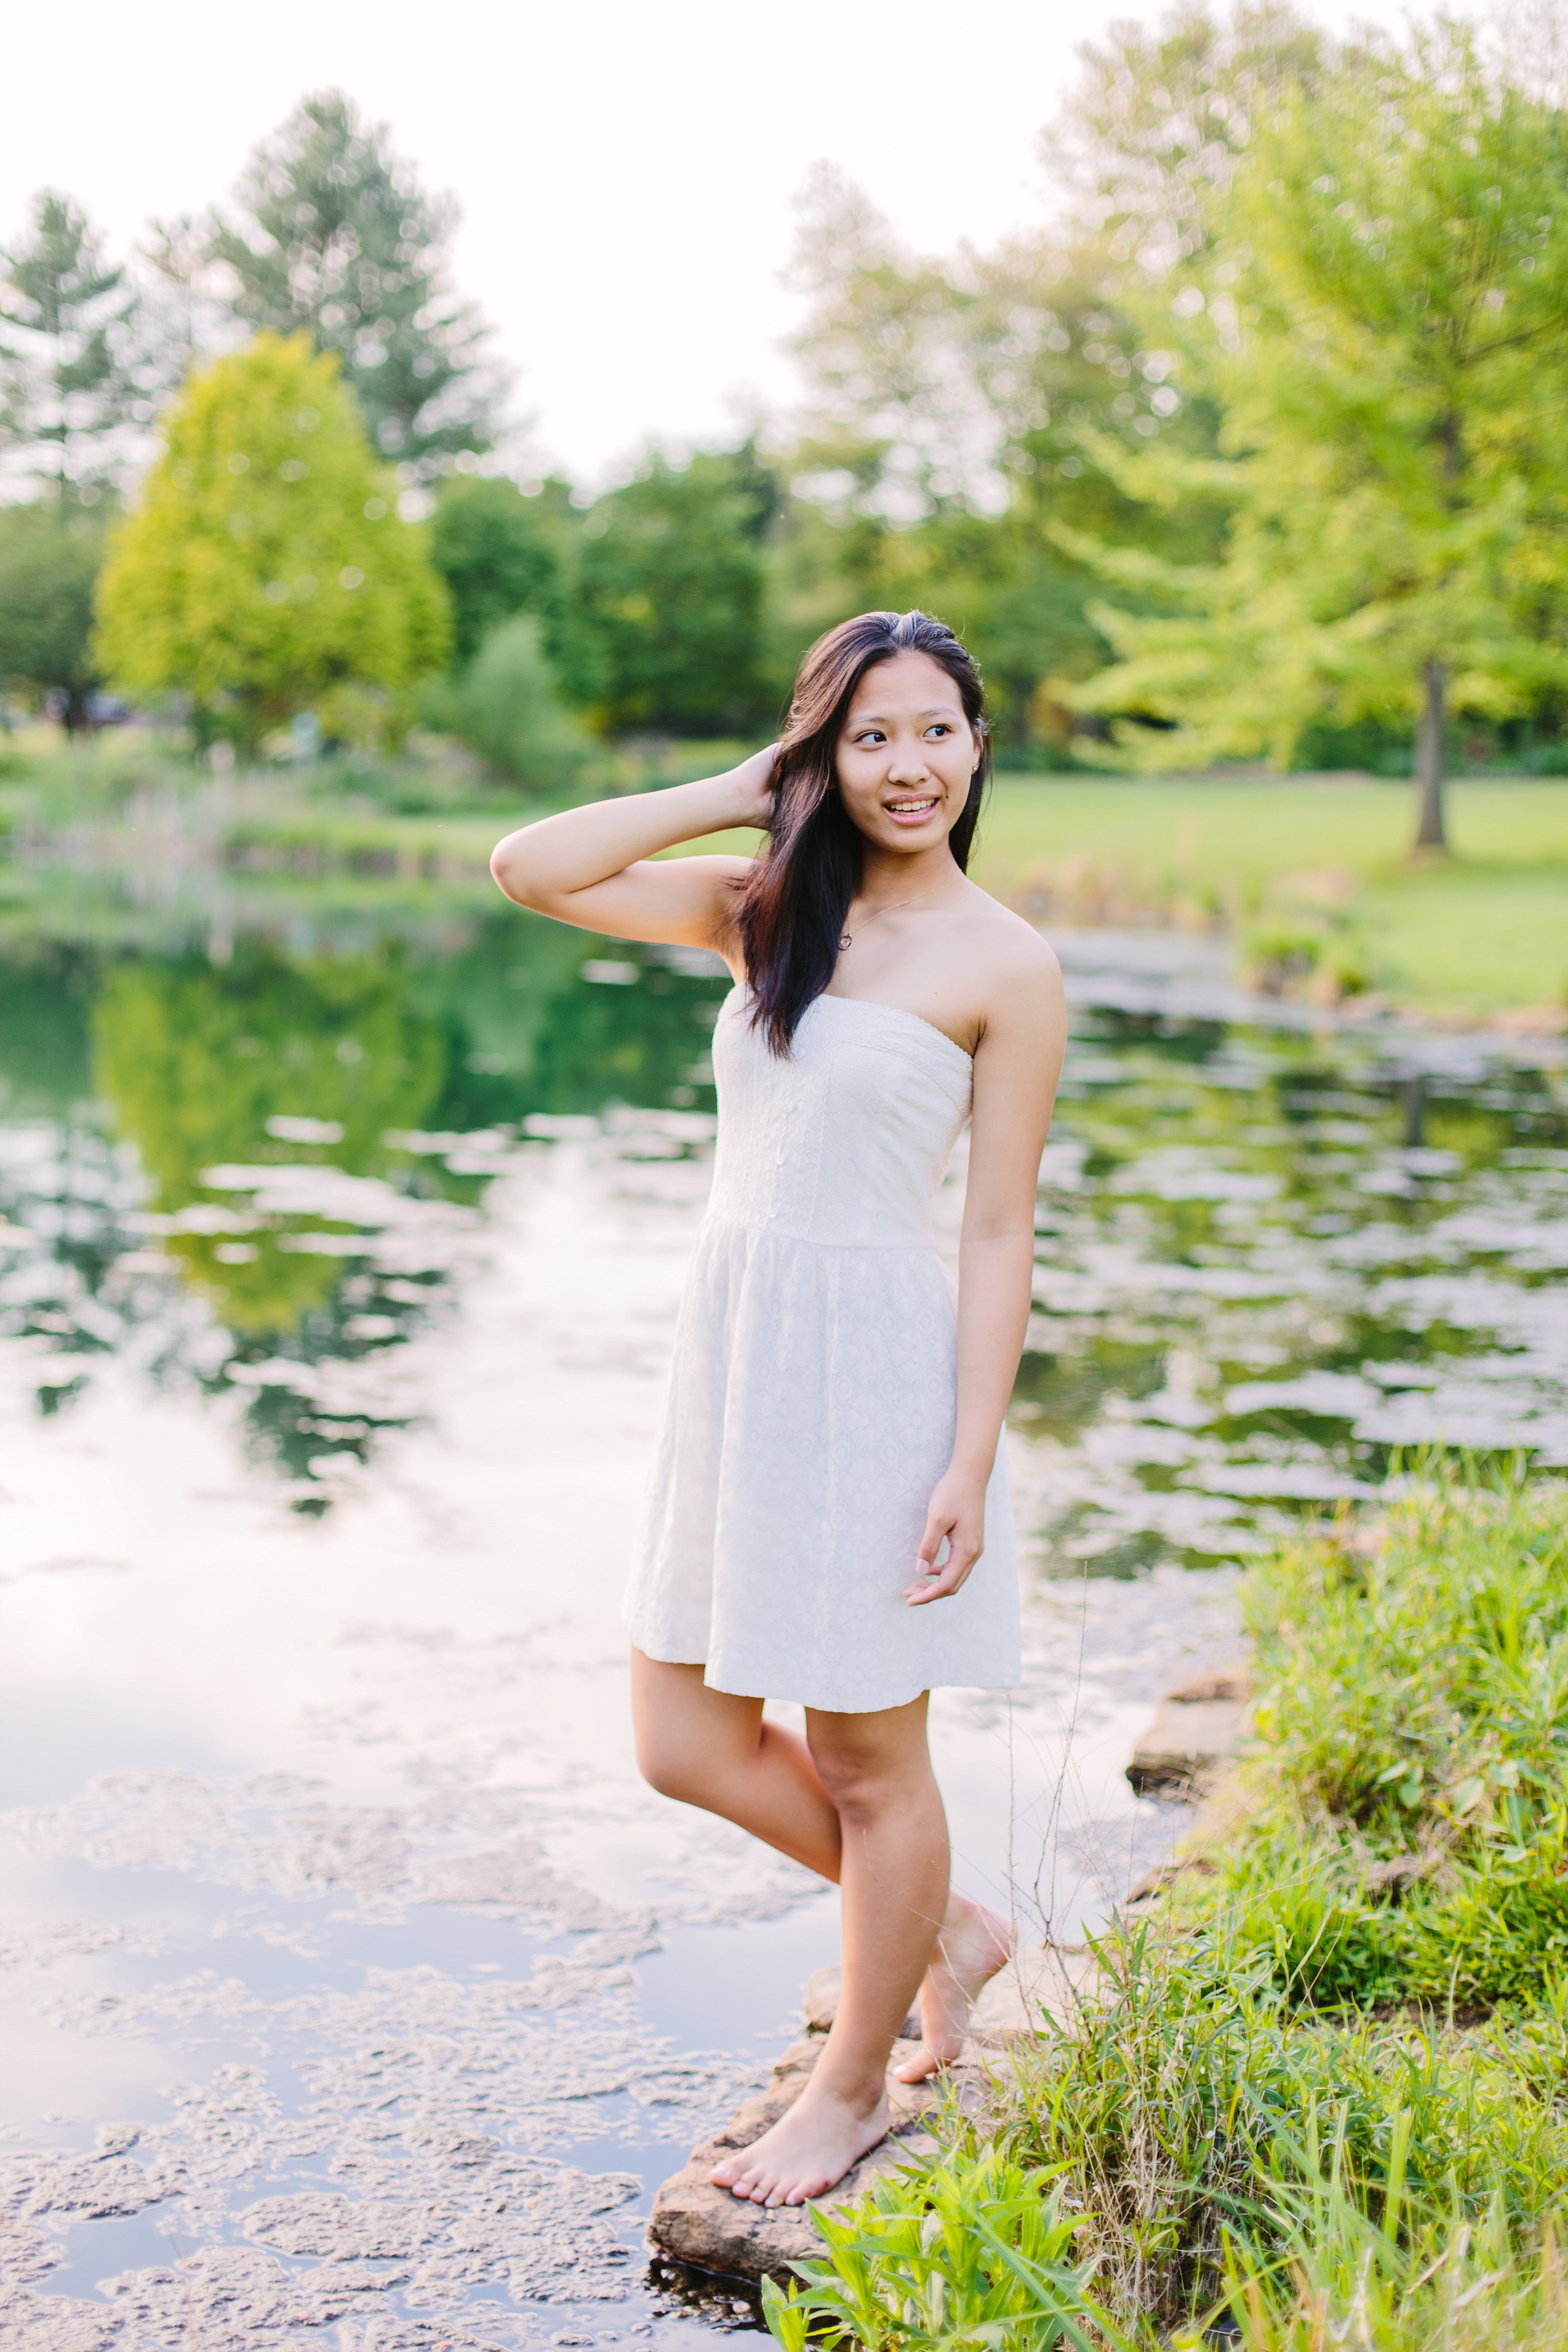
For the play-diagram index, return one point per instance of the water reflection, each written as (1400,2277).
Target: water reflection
(1253,1284)
(352,1978)
(300,1142)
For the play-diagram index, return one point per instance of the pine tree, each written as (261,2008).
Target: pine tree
(337,235)
(67,391)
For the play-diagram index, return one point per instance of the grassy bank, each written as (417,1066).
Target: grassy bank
(1309,869)
(1320,2097)
(1310,877)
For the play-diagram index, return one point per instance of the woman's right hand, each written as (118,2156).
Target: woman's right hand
(753,781)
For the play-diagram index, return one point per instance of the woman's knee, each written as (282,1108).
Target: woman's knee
(863,1782)
(684,1732)
(670,1765)
(871,1763)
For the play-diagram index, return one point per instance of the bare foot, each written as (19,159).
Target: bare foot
(974,1943)
(808,2150)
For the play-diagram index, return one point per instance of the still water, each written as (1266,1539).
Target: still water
(355,1991)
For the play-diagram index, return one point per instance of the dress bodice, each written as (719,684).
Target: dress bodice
(843,1140)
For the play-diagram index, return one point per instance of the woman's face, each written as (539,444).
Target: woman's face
(905,754)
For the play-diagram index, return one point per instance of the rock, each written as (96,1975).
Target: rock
(822,2005)
(714,2231)
(1038,1989)
(1041,1983)
(1196,1731)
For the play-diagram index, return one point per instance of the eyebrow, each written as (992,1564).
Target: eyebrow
(877,718)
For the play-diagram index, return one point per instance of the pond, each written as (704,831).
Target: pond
(352,1980)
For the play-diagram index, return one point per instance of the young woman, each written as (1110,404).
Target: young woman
(830,1521)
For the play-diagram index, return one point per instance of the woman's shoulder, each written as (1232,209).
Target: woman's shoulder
(1008,949)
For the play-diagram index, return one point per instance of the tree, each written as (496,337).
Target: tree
(499,553)
(668,597)
(1386,318)
(965,409)
(1149,141)
(182,314)
(505,706)
(266,570)
(65,384)
(338,236)
(49,563)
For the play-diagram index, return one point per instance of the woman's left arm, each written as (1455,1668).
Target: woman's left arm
(1016,1066)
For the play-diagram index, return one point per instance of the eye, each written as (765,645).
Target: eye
(870,735)
(939,727)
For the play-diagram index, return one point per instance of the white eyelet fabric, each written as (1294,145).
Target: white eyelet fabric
(813,1391)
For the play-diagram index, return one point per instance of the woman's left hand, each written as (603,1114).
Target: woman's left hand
(957,1516)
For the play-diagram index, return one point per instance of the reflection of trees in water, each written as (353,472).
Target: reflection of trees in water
(194,1061)
(198,1063)
(45,992)
(527,1032)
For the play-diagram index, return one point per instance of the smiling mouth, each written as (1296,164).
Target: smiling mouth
(912,808)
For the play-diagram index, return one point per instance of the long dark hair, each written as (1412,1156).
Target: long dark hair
(789,914)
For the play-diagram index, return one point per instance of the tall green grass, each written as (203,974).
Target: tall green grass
(1320,2097)
(1405,1835)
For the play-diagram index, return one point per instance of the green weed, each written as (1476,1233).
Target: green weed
(1320,2099)
(1407,1830)
(968,2251)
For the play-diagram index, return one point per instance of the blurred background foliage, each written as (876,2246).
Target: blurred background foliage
(1160,459)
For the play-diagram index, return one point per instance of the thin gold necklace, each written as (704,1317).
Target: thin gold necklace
(893,907)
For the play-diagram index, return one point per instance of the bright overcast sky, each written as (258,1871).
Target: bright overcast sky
(626,171)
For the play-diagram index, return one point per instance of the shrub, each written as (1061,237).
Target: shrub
(505,708)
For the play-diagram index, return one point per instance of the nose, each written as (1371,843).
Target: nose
(907,764)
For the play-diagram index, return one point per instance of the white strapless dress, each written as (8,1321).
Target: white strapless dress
(813,1391)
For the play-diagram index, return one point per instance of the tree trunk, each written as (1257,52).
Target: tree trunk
(1429,758)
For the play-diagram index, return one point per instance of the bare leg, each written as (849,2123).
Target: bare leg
(877,1770)
(975,1944)
(708,1747)
(881,1830)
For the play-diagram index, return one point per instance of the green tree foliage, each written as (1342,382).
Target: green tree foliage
(499,553)
(49,563)
(67,389)
(667,634)
(266,570)
(1147,143)
(183,312)
(505,706)
(337,235)
(960,411)
(1384,313)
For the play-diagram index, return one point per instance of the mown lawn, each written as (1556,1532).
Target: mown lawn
(1480,932)
(1321,866)
(1485,930)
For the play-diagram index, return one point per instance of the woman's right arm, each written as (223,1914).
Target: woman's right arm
(598,866)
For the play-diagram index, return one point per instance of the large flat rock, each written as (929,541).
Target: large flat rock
(715,2230)
(1196,1732)
(1038,1989)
